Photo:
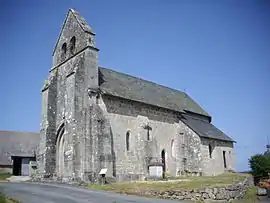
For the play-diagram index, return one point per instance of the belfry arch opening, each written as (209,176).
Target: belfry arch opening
(63,51)
(72,45)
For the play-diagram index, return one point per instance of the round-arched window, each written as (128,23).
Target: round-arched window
(63,51)
(173,149)
(72,45)
(210,150)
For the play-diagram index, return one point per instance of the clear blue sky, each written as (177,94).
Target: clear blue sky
(218,51)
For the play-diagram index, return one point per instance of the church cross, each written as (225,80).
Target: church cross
(148,128)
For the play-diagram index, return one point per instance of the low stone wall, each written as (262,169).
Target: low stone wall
(236,191)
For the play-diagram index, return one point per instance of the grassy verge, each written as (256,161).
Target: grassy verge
(4,176)
(139,187)
(4,199)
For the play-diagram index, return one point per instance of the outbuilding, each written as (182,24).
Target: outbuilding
(17,149)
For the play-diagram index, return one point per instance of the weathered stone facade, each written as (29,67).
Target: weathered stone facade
(85,129)
(216,160)
(127,116)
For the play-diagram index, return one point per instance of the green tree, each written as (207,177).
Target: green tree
(260,165)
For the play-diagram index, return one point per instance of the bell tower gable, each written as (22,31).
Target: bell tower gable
(75,36)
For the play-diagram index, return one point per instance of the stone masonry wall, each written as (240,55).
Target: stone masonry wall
(221,194)
(166,132)
(71,28)
(214,165)
(46,162)
(66,104)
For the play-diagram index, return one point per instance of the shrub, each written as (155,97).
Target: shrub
(260,166)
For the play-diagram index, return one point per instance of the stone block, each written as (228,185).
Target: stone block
(155,171)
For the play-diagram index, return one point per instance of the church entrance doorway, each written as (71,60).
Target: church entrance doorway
(163,160)
(60,147)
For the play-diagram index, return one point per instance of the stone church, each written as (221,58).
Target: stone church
(94,118)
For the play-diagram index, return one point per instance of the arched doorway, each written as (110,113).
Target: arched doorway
(163,159)
(60,147)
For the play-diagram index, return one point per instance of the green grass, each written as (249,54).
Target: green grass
(3,176)
(4,199)
(139,187)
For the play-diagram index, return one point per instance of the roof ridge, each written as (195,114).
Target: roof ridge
(142,79)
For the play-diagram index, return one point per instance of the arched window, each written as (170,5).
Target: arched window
(63,50)
(148,135)
(173,149)
(224,159)
(127,140)
(210,150)
(72,45)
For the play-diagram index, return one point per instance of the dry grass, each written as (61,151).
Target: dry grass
(139,187)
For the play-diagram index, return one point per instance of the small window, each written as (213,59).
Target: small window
(224,159)
(127,140)
(72,45)
(173,149)
(210,150)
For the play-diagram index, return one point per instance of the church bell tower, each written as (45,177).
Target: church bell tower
(66,102)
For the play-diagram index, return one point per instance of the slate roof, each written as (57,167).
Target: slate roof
(204,129)
(18,144)
(140,90)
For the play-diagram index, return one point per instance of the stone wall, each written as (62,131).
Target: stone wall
(71,28)
(235,191)
(66,104)
(182,146)
(214,164)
